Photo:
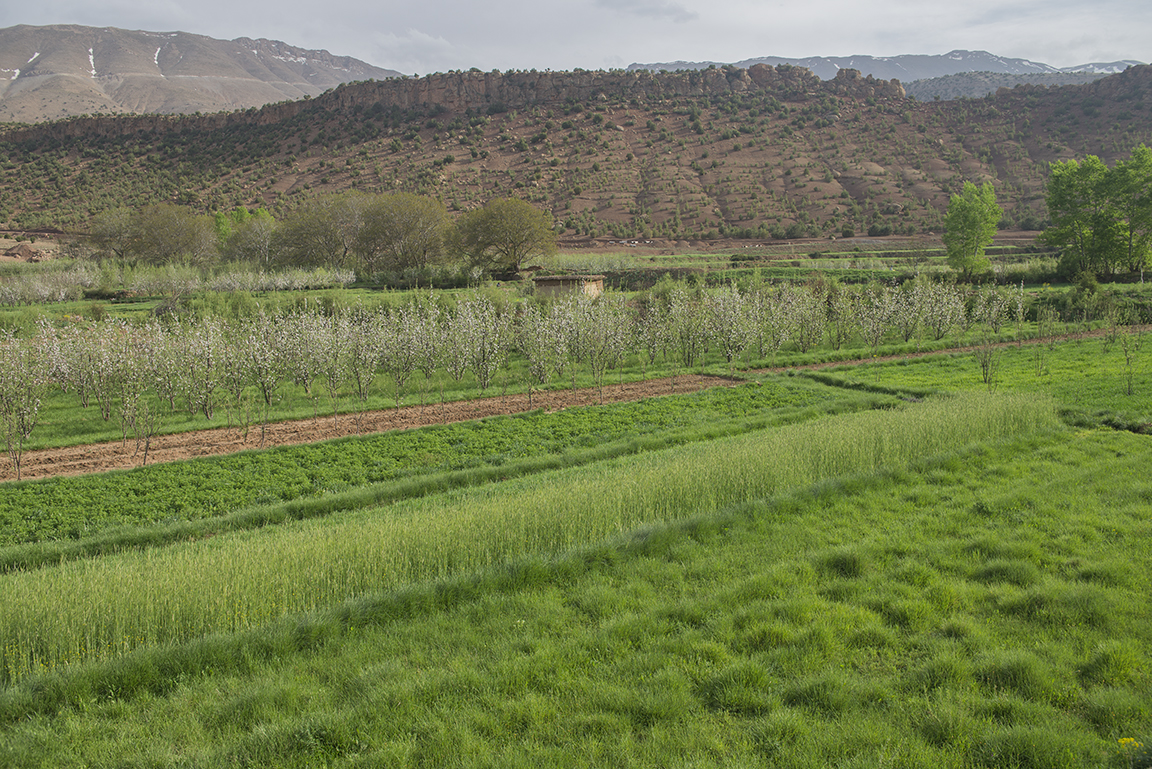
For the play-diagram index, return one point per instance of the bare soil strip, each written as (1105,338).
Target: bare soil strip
(101,457)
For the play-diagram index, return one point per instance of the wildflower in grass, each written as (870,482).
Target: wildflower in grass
(1133,754)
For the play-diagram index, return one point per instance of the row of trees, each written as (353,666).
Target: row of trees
(369,233)
(134,373)
(1101,217)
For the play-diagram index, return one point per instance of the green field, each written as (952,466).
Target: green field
(1092,379)
(845,567)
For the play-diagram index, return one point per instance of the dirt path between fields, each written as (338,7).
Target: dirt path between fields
(101,457)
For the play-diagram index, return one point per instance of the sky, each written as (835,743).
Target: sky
(419,37)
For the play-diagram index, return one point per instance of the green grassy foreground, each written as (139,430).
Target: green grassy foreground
(90,609)
(985,609)
(904,588)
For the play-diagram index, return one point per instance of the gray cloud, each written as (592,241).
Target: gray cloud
(651,9)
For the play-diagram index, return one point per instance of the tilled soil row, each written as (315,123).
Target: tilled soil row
(101,457)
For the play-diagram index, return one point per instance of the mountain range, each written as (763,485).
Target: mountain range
(905,68)
(53,72)
(62,71)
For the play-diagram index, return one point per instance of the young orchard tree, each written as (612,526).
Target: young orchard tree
(368,338)
(201,355)
(1018,312)
(1131,340)
(23,384)
(562,317)
(621,328)
(603,334)
(652,333)
(334,350)
(460,333)
(841,314)
(163,346)
(493,341)
(943,308)
(729,321)
(542,343)
(810,315)
(102,362)
(875,307)
(969,227)
(775,319)
(990,307)
(134,383)
(236,374)
(401,333)
(264,343)
(430,344)
(687,328)
(909,306)
(57,366)
(303,340)
(987,355)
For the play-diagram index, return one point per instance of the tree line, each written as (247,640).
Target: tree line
(1101,217)
(370,233)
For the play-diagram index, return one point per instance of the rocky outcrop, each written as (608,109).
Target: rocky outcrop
(850,83)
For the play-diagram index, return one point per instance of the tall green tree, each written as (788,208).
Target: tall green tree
(226,222)
(1084,219)
(504,234)
(402,230)
(969,227)
(166,233)
(110,232)
(251,240)
(1130,190)
(322,232)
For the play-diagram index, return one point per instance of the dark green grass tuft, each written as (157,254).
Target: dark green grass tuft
(1020,672)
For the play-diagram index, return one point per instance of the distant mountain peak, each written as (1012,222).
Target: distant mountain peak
(58,71)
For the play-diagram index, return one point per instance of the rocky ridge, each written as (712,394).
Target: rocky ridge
(494,91)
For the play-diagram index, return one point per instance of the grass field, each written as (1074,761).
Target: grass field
(917,617)
(82,507)
(958,582)
(1090,377)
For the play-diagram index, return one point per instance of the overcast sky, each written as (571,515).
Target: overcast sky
(424,36)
